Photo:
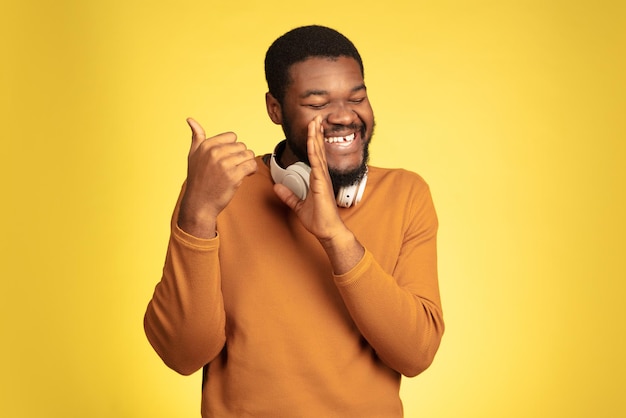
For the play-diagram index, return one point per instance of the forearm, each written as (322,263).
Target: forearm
(403,327)
(185,319)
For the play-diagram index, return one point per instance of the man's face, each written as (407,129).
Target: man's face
(334,89)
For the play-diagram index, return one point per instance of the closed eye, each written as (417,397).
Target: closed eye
(316,105)
(357,101)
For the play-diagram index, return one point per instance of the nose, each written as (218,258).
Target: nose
(341,114)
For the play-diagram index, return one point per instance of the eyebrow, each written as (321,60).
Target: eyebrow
(314,92)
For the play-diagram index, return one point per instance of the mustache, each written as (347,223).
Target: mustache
(343,128)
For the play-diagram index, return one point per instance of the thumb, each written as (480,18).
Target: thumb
(287,196)
(197,133)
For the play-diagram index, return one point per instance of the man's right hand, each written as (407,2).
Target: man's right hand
(216,169)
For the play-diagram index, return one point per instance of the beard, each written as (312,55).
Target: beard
(339,178)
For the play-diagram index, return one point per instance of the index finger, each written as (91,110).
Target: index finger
(315,141)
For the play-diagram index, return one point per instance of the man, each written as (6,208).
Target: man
(304,282)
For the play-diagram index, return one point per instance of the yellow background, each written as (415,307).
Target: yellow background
(512,111)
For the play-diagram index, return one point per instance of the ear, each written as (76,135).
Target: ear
(273,109)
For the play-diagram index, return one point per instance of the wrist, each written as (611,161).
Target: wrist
(196,224)
(338,241)
(344,251)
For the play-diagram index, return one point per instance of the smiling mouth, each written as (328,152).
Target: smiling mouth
(340,139)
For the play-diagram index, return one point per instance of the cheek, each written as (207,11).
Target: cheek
(366,114)
(368,120)
(302,127)
(299,121)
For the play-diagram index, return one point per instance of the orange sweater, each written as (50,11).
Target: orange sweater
(277,333)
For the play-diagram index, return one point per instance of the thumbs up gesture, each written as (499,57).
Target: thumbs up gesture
(216,168)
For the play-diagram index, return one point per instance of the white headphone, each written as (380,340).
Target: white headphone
(296,178)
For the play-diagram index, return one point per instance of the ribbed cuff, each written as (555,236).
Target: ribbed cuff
(195,242)
(356,272)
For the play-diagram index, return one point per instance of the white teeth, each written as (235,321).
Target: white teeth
(336,139)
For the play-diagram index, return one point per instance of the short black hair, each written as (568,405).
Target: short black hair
(298,45)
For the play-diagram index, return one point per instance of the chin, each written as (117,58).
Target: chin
(344,177)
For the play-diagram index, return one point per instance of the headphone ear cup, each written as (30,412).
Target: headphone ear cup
(296,178)
(345,196)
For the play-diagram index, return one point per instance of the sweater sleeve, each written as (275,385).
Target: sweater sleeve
(400,314)
(185,319)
